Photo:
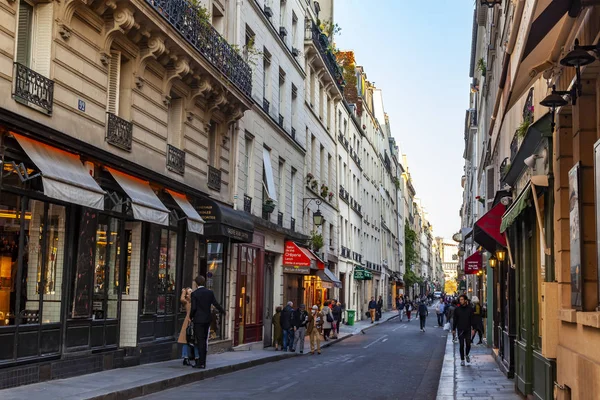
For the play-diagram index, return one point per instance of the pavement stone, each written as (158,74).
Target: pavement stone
(481,379)
(127,383)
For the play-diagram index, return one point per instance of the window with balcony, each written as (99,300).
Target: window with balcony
(281,185)
(281,96)
(175,154)
(32,86)
(218,18)
(118,101)
(266,80)
(282,18)
(294,30)
(293,193)
(214,168)
(294,107)
(247,166)
(322,174)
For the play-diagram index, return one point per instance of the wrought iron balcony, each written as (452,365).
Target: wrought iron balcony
(322,43)
(281,120)
(183,17)
(32,89)
(280,218)
(514,147)
(119,132)
(214,178)
(175,160)
(247,203)
(266,105)
(344,195)
(293,134)
(293,224)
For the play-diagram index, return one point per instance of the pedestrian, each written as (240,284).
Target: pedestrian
(463,320)
(315,319)
(477,320)
(202,300)
(423,312)
(379,307)
(372,308)
(277,332)
(337,317)
(439,310)
(286,326)
(400,308)
(408,307)
(188,350)
(300,322)
(327,320)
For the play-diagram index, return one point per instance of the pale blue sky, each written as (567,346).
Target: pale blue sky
(418,53)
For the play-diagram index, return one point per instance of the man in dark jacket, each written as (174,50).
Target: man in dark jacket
(379,308)
(201,316)
(337,317)
(372,308)
(463,320)
(287,326)
(423,312)
(300,321)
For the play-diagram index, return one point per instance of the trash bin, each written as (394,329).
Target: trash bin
(351,315)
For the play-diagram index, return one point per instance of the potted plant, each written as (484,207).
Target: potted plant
(481,66)
(269,206)
(330,196)
(316,241)
(314,184)
(522,129)
(324,190)
(480,199)
(309,178)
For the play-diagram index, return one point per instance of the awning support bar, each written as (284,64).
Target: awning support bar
(538,215)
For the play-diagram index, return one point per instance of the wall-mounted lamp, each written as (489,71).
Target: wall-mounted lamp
(556,99)
(317,215)
(500,255)
(492,262)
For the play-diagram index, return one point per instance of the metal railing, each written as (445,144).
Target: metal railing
(175,159)
(119,132)
(214,178)
(322,43)
(293,224)
(280,218)
(32,88)
(247,203)
(184,17)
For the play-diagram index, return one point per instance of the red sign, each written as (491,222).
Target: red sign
(295,256)
(473,263)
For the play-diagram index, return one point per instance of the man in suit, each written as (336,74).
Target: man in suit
(202,300)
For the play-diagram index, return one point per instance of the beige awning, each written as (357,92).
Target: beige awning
(195,222)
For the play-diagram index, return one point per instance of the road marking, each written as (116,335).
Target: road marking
(384,340)
(400,327)
(372,343)
(284,387)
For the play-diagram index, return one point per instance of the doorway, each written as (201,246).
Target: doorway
(268,299)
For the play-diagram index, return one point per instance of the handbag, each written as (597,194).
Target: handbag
(447,326)
(329,318)
(189,333)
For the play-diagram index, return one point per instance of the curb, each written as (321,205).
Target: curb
(196,376)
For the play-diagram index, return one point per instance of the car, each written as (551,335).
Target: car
(437,295)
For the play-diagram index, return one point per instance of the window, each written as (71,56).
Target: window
(313,154)
(294,105)
(281,95)
(328,113)
(330,178)
(218,18)
(175,121)
(213,147)
(281,197)
(268,181)
(266,75)
(212,261)
(248,147)
(294,29)
(282,12)
(330,235)
(313,84)
(162,262)
(249,42)
(322,174)
(293,191)
(34,35)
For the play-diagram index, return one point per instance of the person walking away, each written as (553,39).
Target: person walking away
(450,316)
(379,308)
(372,308)
(463,320)
(408,308)
(477,320)
(327,320)
(277,332)
(188,350)
(300,322)
(337,317)
(287,327)
(312,329)
(400,308)
(202,300)
(439,310)
(423,312)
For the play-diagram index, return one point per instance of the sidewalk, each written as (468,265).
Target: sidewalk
(127,383)
(481,379)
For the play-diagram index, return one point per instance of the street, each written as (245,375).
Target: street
(390,361)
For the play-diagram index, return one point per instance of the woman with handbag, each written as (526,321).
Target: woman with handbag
(327,320)
(186,335)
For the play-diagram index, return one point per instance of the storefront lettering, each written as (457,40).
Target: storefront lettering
(296,270)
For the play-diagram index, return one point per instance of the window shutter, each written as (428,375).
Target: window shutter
(24,33)
(114,72)
(43,38)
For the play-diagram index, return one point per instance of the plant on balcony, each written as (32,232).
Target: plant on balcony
(314,184)
(309,178)
(522,129)
(268,206)
(316,241)
(330,196)
(480,199)
(324,190)
(201,12)
(481,66)
(249,52)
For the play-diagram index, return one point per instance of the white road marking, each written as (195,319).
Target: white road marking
(384,340)
(372,343)
(284,387)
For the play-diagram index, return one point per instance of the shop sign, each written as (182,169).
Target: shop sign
(327,285)
(473,263)
(293,255)
(296,270)
(362,274)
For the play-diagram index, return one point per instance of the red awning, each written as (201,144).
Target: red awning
(473,263)
(297,256)
(487,229)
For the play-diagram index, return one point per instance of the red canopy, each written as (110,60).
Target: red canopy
(487,229)
(473,263)
(295,255)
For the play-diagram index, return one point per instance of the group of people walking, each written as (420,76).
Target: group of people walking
(291,326)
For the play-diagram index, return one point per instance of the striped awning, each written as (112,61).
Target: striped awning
(516,208)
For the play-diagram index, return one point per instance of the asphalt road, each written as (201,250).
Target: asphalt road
(393,360)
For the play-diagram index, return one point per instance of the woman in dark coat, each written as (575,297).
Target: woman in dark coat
(277,332)
(477,320)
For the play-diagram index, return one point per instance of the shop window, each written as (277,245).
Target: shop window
(167,270)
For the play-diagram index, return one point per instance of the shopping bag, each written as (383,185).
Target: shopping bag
(447,326)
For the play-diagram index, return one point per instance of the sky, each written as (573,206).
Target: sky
(418,53)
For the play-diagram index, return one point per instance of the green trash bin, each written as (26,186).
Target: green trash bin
(351,315)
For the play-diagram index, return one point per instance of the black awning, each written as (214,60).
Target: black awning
(539,130)
(223,221)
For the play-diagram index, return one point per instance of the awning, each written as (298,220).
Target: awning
(145,203)
(361,274)
(487,229)
(544,20)
(223,221)
(473,263)
(516,208)
(63,175)
(195,222)
(328,276)
(534,137)
(297,259)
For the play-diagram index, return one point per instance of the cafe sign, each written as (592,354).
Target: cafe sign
(287,269)
(296,260)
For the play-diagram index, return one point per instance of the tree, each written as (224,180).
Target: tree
(451,286)
(410,237)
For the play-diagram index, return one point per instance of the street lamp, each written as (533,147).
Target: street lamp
(555,100)
(492,262)
(318,218)
(500,255)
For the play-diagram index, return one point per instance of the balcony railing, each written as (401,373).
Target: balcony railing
(293,224)
(281,120)
(280,218)
(214,178)
(247,203)
(344,195)
(514,147)
(293,134)
(322,43)
(266,105)
(119,132)
(175,159)
(183,16)
(32,89)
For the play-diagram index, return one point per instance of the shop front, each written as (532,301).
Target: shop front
(301,285)
(362,278)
